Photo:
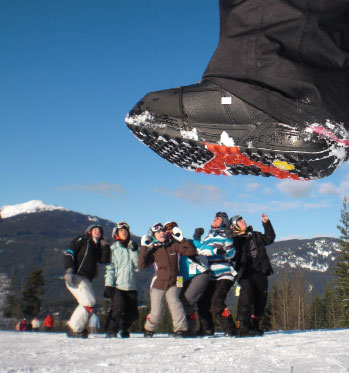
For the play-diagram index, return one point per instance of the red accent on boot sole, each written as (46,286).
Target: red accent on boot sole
(88,309)
(224,155)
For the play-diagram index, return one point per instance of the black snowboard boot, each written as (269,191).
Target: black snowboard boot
(204,128)
(254,325)
(243,329)
(111,335)
(206,326)
(227,324)
(125,334)
(191,322)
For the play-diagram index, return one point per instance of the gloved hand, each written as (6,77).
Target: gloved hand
(70,278)
(198,233)
(108,292)
(104,243)
(134,246)
(177,234)
(146,241)
(220,251)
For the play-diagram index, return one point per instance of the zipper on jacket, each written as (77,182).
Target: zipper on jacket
(83,259)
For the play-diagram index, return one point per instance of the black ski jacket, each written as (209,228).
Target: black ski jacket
(243,266)
(83,255)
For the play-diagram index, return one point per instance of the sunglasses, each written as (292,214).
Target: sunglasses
(122,225)
(170,225)
(157,227)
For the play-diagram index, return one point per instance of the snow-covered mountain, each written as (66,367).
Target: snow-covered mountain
(27,208)
(315,254)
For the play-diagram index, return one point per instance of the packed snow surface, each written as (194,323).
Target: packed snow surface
(26,208)
(291,352)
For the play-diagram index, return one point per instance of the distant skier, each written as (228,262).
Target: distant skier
(253,266)
(120,282)
(35,324)
(80,261)
(49,323)
(166,286)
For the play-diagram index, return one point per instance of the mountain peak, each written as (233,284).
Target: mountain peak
(27,208)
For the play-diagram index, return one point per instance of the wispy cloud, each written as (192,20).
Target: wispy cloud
(272,206)
(298,189)
(253,186)
(106,189)
(195,193)
(330,189)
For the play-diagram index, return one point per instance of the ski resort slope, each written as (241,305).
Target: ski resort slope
(291,352)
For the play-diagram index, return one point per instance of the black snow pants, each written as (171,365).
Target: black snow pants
(253,296)
(213,301)
(288,58)
(124,310)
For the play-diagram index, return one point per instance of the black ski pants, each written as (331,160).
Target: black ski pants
(288,58)
(213,301)
(124,310)
(253,296)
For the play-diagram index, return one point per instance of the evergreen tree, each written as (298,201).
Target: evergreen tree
(34,287)
(317,314)
(331,307)
(275,308)
(342,267)
(286,297)
(10,307)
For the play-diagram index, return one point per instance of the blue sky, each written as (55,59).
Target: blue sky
(69,73)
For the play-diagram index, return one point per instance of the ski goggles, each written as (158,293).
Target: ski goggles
(122,225)
(170,225)
(157,227)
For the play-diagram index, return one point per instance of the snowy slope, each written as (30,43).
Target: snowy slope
(27,208)
(291,352)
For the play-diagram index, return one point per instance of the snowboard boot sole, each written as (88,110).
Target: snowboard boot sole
(211,158)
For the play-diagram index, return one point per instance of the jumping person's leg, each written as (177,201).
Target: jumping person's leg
(274,99)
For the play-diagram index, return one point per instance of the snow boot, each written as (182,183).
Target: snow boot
(111,335)
(72,334)
(243,329)
(205,333)
(148,334)
(254,325)
(204,128)
(125,334)
(180,334)
(191,322)
(226,323)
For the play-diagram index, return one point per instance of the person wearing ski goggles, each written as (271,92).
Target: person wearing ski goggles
(163,253)
(195,274)
(120,282)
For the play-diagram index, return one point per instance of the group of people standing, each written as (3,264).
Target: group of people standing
(35,324)
(193,276)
